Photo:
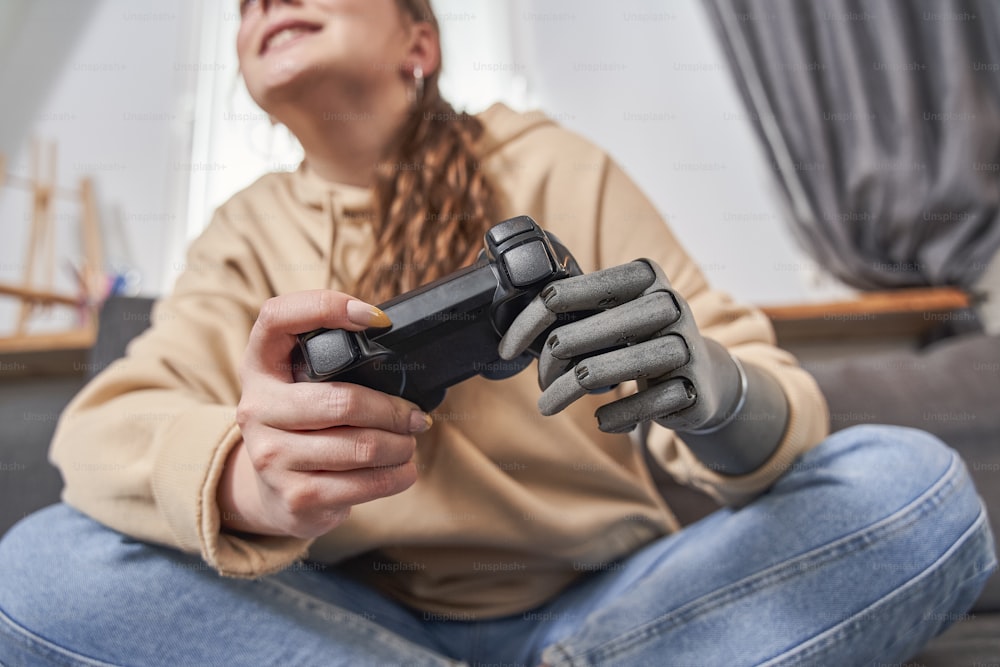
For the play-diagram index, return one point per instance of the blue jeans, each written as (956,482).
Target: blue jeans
(870,545)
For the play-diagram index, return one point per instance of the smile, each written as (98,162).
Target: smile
(284,34)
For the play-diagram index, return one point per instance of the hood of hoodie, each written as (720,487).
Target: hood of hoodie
(352,206)
(501,125)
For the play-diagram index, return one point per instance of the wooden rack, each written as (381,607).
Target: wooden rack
(36,291)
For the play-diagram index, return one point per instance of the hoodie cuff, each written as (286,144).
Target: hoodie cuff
(187,470)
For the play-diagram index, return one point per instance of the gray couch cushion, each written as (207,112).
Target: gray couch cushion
(950,388)
(973,641)
(30,407)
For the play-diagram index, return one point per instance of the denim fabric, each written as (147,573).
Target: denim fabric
(870,545)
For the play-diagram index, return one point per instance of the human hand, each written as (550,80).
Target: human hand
(311,451)
(644,331)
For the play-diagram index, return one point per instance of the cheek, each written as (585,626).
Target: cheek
(243,40)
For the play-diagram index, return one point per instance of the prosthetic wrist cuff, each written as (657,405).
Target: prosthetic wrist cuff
(741,401)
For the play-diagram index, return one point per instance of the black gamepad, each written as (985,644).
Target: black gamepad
(448,330)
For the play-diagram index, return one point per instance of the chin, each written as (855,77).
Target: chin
(279,83)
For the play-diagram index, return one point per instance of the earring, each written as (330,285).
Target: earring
(418,83)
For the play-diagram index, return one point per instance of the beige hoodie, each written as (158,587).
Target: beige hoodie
(510,506)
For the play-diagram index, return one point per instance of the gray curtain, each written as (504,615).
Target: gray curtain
(881,119)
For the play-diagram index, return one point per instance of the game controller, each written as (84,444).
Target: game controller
(448,330)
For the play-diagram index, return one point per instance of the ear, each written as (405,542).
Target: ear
(424,49)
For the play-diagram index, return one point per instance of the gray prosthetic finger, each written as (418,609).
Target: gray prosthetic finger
(550,368)
(648,359)
(634,321)
(626,324)
(651,358)
(525,328)
(602,289)
(660,281)
(558,395)
(658,401)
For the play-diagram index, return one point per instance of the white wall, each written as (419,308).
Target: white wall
(145,96)
(105,80)
(647,80)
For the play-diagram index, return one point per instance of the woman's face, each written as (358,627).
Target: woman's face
(287,47)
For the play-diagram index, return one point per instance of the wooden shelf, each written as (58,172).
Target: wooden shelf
(64,340)
(897,313)
(59,353)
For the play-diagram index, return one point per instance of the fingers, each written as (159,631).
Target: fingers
(525,328)
(362,486)
(599,290)
(624,325)
(308,406)
(316,449)
(317,502)
(637,305)
(602,289)
(308,474)
(282,318)
(649,359)
(286,484)
(656,402)
(335,450)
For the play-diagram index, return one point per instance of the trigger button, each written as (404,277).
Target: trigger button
(528,264)
(510,228)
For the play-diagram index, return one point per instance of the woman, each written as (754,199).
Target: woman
(486,532)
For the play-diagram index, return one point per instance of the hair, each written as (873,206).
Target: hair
(433,203)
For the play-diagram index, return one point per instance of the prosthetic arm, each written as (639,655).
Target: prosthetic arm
(731,415)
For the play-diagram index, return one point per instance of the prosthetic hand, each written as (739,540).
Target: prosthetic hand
(732,416)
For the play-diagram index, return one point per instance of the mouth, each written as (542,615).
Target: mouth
(285,32)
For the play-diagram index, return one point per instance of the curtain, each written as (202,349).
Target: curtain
(881,121)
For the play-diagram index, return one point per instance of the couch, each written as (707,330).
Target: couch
(950,388)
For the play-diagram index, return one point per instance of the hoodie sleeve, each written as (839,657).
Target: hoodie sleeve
(629,227)
(142,447)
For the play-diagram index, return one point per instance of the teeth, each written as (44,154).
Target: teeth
(281,37)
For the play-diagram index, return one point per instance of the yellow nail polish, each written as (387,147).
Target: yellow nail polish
(420,421)
(379,318)
(366,315)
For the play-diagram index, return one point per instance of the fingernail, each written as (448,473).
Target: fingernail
(366,315)
(420,421)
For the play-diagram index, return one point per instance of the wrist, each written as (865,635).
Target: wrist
(238,497)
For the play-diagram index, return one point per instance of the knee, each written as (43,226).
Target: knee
(47,561)
(28,561)
(882,469)
(32,549)
(887,456)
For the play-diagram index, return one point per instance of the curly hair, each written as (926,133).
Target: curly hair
(433,203)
